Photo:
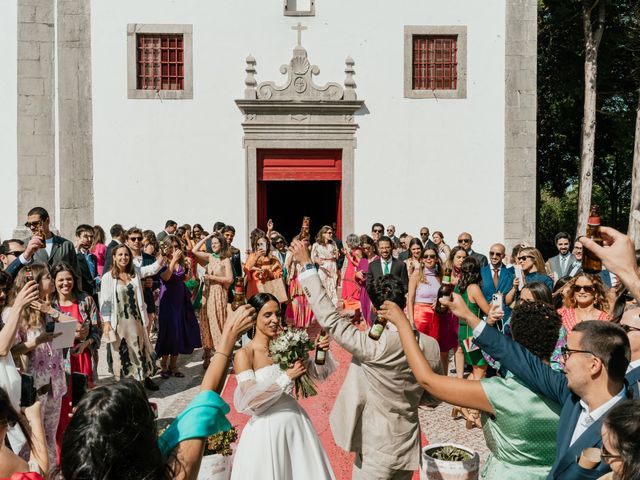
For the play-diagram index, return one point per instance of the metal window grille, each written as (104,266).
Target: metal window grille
(435,62)
(160,62)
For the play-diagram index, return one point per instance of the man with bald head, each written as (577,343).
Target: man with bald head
(497,277)
(466,241)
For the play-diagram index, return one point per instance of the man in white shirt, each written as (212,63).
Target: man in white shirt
(595,358)
(560,265)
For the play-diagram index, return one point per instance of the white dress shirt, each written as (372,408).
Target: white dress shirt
(587,417)
(633,365)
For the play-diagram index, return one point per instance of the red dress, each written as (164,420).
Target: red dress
(569,318)
(81,363)
(350,285)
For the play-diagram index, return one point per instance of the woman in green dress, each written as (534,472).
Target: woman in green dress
(472,295)
(519,425)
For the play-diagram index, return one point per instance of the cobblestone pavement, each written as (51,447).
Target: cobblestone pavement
(176,393)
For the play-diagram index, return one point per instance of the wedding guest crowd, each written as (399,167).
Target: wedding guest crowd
(546,355)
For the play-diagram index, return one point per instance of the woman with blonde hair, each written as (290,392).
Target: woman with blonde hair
(324,254)
(217,278)
(533,269)
(443,249)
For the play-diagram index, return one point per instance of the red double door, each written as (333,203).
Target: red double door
(293,183)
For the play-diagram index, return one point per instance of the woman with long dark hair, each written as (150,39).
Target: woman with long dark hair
(298,313)
(98,247)
(424,284)
(415,255)
(124,317)
(113,433)
(369,254)
(279,443)
(620,441)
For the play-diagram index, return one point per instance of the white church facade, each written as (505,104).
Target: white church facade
(420,112)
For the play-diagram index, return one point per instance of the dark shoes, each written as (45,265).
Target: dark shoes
(150,385)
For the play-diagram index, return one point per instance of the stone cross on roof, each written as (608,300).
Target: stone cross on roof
(299,28)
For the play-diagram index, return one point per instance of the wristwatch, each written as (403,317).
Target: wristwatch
(308,266)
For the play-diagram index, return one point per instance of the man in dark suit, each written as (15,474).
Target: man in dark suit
(405,238)
(497,277)
(595,359)
(466,241)
(14,255)
(229,233)
(170,228)
(387,265)
(57,249)
(630,322)
(117,237)
(426,241)
(87,261)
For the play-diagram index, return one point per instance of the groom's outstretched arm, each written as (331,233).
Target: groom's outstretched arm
(338,327)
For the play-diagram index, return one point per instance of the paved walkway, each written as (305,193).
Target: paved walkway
(176,393)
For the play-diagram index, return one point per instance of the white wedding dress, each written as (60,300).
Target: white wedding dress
(279,442)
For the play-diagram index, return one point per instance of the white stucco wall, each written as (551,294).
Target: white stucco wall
(418,162)
(429,162)
(8,125)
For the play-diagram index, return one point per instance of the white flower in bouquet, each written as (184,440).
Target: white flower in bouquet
(290,346)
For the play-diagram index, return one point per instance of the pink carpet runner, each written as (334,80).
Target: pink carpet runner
(318,409)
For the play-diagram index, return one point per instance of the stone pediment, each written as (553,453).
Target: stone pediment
(299,85)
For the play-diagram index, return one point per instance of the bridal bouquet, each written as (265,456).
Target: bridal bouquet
(290,346)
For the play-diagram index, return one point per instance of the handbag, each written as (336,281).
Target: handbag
(276,288)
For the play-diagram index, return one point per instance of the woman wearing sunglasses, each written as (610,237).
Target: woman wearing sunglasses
(530,261)
(424,284)
(620,444)
(584,299)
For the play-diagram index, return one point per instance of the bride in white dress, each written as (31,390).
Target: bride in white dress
(279,442)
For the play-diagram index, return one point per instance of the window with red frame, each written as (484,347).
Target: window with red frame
(435,62)
(160,59)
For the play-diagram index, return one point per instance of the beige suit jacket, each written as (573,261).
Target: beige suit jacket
(376,410)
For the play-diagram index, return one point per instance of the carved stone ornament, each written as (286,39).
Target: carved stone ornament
(299,84)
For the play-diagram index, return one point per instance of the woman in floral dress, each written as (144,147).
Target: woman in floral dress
(324,254)
(217,278)
(299,313)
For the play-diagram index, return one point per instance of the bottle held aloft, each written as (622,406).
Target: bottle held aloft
(321,355)
(590,261)
(239,298)
(304,231)
(445,290)
(377,328)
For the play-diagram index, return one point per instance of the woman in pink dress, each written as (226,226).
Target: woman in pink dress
(584,299)
(350,286)
(369,254)
(98,247)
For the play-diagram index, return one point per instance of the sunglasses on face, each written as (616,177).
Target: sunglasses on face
(524,258)
(586,288)
(14,253)
(496,254)
(604,453)
(135,239)
(31,225)
(429,255)
(377,231)
(628,297)
(464,240)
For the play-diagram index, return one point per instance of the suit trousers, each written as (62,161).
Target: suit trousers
(368,470)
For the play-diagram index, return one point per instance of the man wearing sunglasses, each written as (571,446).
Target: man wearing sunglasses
(630,322)
(14,255)
(497,277)
(56,249)
(377,230)
(466,241)
(596,358)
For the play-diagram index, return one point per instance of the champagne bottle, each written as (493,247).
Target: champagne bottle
(590,261)
(445,290)
(377,328)
(238,294)
(321,355)
(304,231)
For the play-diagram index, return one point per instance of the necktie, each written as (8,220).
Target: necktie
(495,277)
(563,264)
(386,268)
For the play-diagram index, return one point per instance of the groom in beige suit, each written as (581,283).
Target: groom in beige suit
(376,411)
